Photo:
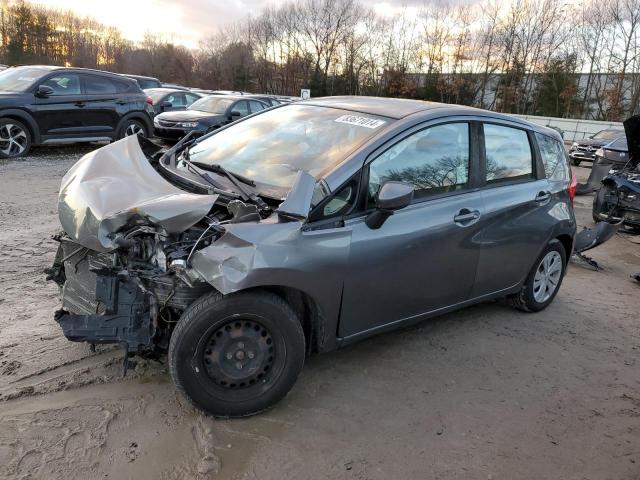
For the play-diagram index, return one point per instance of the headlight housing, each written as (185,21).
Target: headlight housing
(600,152)
(188,124)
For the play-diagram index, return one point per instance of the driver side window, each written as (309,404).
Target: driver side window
(68,84)
(435,160)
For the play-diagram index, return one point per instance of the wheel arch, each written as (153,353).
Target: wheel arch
(23,117)
(141,116)
(567,243)
(308,310)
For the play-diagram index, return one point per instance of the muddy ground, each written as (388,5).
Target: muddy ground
(484,393)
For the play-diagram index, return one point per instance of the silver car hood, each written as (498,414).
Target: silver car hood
(115,186)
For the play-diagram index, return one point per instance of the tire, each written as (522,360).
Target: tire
(15,138)
(598,203)
(132,126)
(236,355)
(576,162)
(530,299)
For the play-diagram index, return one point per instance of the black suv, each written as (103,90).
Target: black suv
(45,105)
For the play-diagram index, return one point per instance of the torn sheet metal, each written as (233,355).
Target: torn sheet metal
(276,253)
(115,186)
(298,201)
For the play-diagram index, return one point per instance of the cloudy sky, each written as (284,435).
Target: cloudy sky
(182,21)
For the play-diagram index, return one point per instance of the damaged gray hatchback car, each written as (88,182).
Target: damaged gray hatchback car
(305,228)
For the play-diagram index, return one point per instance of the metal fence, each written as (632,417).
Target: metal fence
(573,129)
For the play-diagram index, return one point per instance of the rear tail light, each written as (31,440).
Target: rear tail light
(149,100)
(573,184)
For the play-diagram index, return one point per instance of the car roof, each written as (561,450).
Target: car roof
(398,108)
(168,90)
(143,77)
(72,69)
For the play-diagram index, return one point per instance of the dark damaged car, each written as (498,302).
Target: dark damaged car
(618,198)
(305,228)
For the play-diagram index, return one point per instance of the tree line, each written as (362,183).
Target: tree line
(541,57)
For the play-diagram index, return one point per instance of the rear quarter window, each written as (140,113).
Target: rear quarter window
(554,158)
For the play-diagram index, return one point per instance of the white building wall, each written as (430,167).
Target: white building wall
(573,129)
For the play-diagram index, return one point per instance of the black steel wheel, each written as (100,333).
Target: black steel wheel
(240,353)
(236,355)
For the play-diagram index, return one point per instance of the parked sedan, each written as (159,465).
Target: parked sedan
(204,115)
(306,228)
(584,150)
(144,82)
(170,99)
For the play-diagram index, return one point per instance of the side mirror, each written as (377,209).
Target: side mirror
(235,114)
(44,91)
(391,197)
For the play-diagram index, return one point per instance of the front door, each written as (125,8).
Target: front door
(62,113)
(424,257)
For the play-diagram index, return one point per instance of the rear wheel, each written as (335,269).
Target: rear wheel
(236,355)
(543,282)
(132,127)
(15,138)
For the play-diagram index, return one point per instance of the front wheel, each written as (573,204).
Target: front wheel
(544,279)
(15,138)
(236,355)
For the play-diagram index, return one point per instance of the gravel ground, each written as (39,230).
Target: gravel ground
(483,393)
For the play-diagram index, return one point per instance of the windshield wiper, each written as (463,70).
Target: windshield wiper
(216,168)
(236,180)
(186,142)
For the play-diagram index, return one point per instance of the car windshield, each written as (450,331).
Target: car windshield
(608,134)
(212,104)
(619,144)
(156,95)
(19,79)
(273,146)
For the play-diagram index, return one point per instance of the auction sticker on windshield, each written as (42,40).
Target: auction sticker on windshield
(360,121)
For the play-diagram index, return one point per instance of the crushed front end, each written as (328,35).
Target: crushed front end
(128,234)
(127,296)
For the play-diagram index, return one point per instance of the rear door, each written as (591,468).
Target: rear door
(62,113)
(423,258)
(516,224)
(104,104)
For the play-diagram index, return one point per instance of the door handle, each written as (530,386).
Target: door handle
(543,197)
(466,217)
(79,104)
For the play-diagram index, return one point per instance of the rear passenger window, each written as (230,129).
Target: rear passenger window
(435,160)
(508,154)
(256,106)
(98,85)
(553,158)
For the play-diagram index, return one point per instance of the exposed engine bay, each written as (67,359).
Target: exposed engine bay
(125,260)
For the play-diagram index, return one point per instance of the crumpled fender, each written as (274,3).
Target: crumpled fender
(115,186)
